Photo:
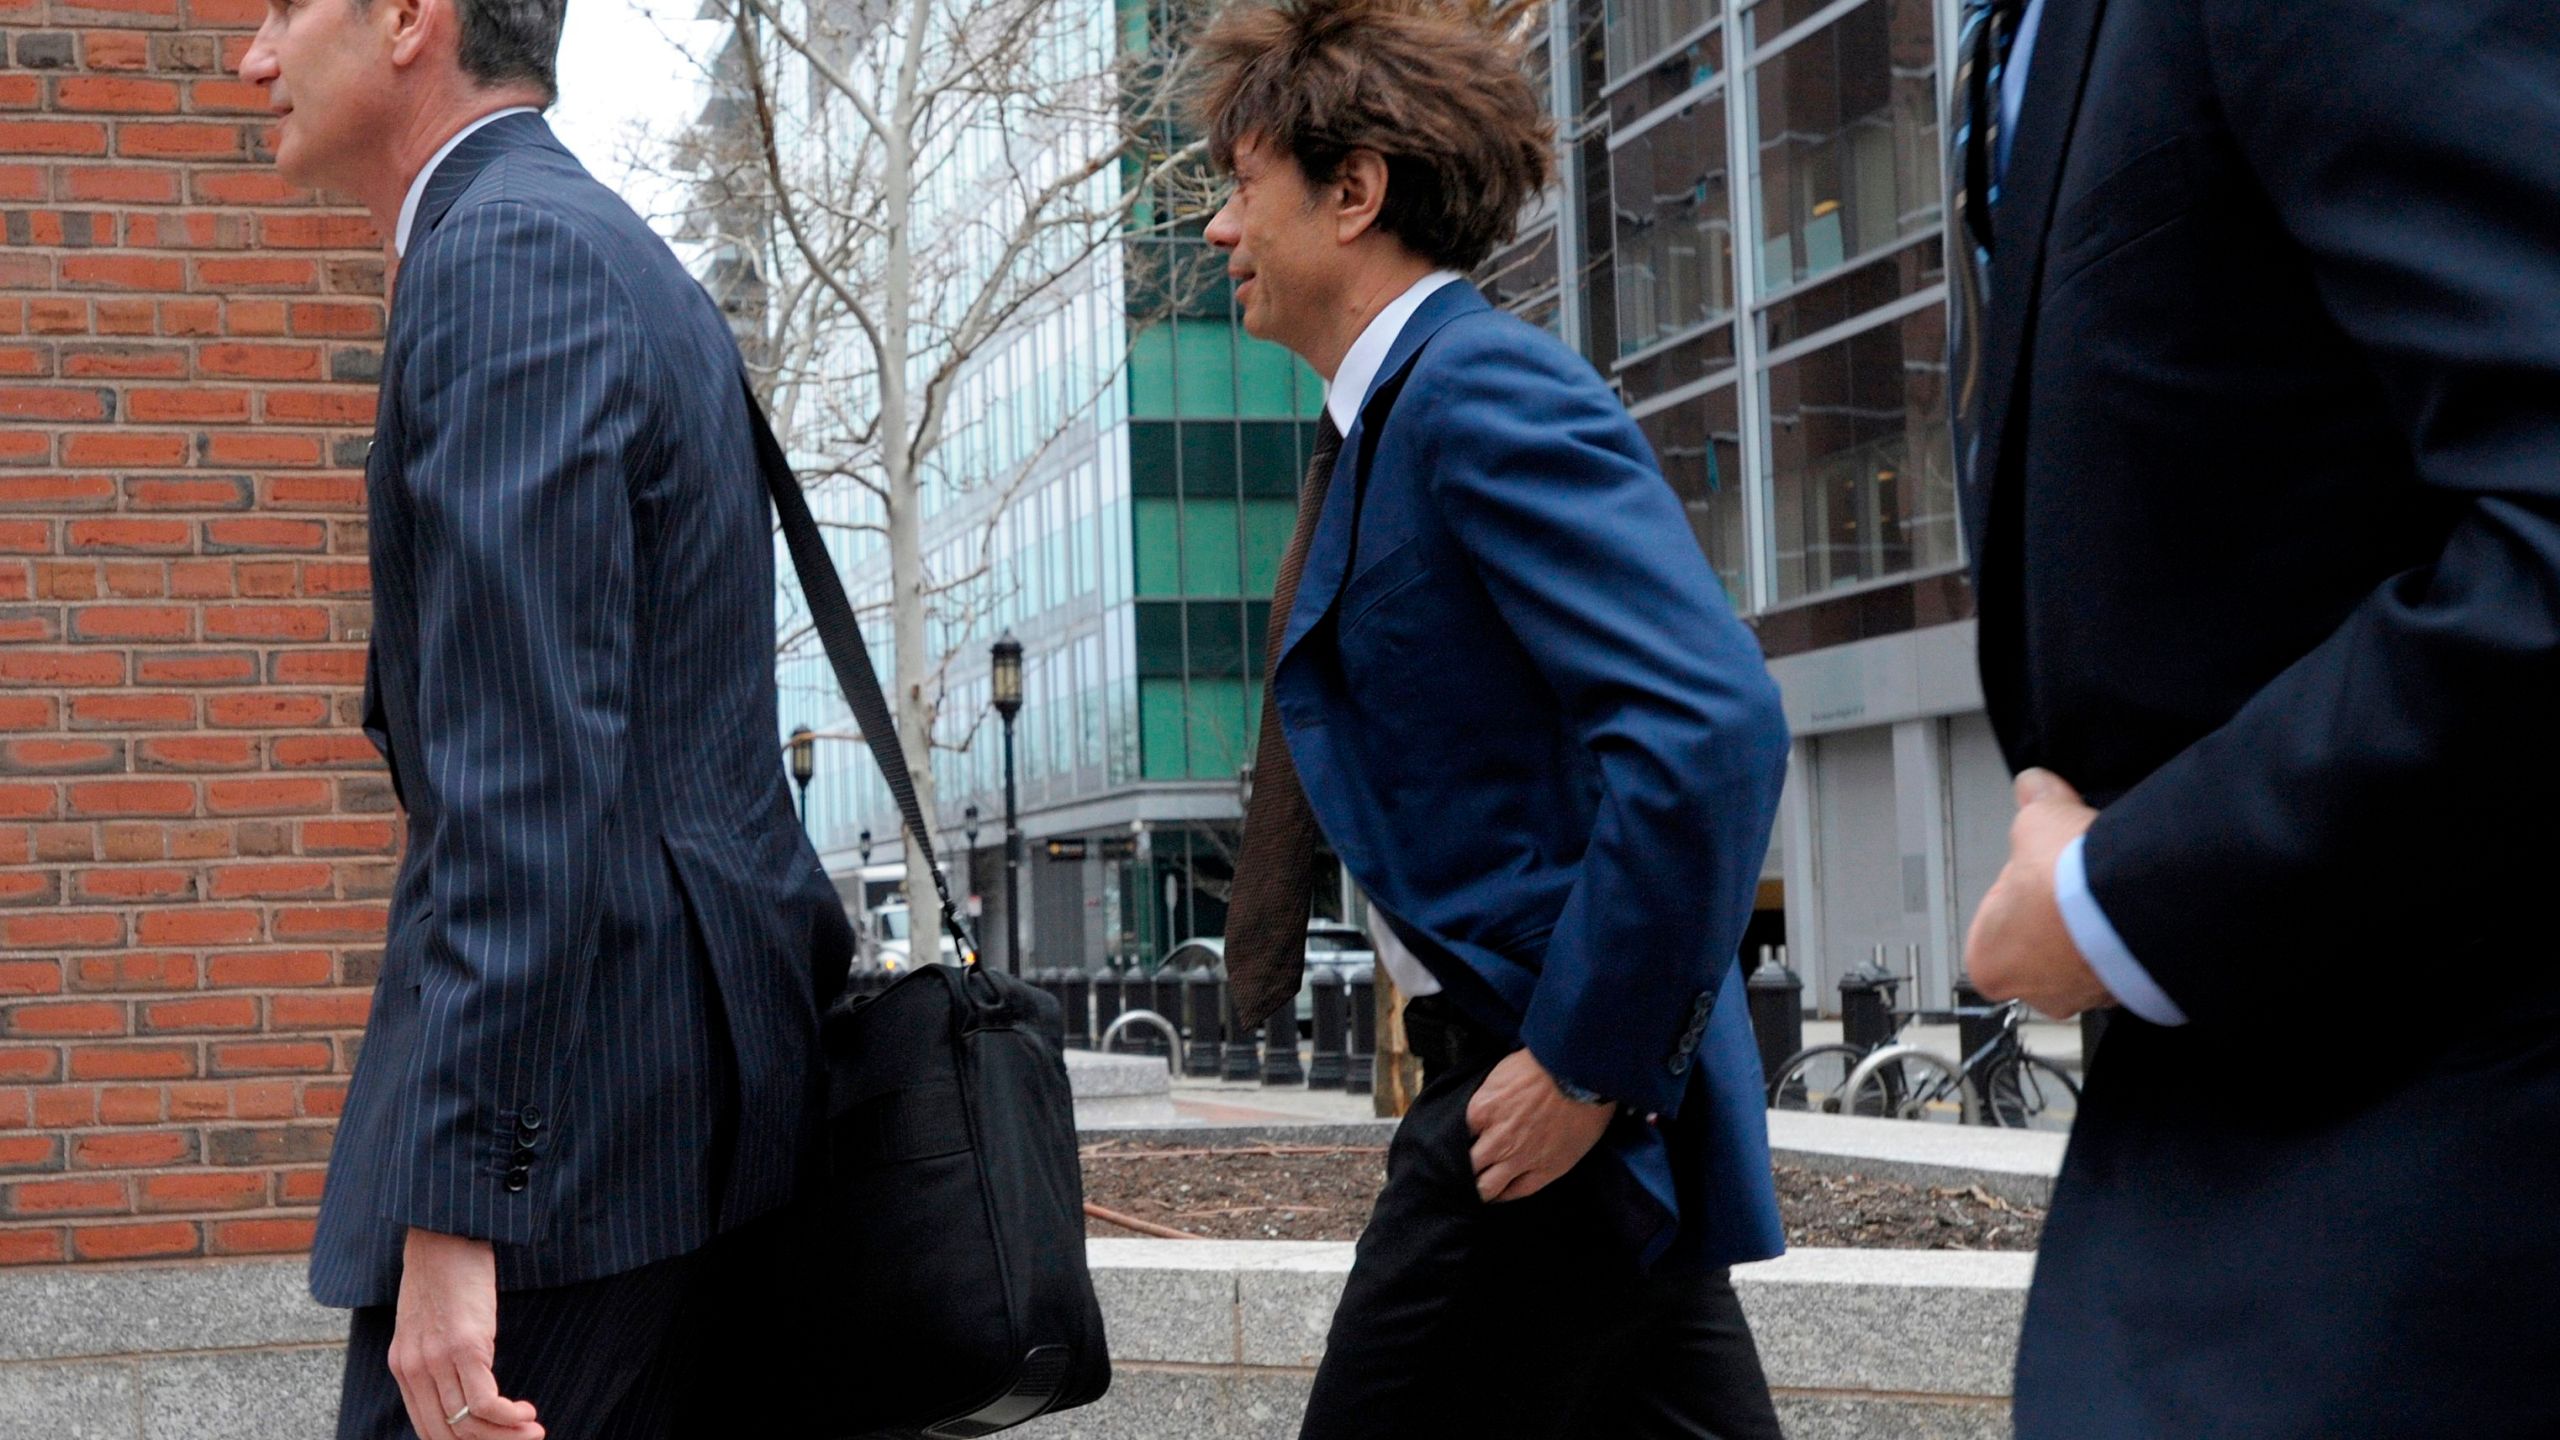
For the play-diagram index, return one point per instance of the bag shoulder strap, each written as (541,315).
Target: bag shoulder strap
(841,636)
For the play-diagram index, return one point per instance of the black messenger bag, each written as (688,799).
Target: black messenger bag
(951,1224)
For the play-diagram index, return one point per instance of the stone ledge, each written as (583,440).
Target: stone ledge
(1931,1322)
(1230,1135)
(1213,1339)
(2017,1165)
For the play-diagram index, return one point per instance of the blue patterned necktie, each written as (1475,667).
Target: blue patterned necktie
(1989,28)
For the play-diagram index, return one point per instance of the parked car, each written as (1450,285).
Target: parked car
(889,930)
(1331,945)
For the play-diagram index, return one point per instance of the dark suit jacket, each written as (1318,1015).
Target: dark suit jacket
(1535,733)
(2266,510)
(593,1037)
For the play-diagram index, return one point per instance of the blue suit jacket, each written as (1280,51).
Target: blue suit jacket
(593,1038)
(1535,733)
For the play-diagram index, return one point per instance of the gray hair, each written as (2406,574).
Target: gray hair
(509,41)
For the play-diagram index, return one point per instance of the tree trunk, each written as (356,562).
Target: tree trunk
(910,666)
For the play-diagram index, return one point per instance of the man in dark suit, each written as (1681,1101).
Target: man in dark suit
(1508,689)
(591,1049)
(2263,488)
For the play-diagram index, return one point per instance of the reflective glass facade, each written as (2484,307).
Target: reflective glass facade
(1748,246)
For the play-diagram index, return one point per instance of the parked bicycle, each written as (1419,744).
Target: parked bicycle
(1998,1084)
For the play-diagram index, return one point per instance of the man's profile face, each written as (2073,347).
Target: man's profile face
(1279,235)
(326,65)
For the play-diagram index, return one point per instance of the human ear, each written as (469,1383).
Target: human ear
(412,24)
(1361,185)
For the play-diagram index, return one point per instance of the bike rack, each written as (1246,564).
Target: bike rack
(1866,1069)
(1172,1040)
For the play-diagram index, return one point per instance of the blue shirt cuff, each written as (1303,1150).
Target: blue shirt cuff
(2102,947)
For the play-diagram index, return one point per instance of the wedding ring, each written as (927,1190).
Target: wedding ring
(458,1416)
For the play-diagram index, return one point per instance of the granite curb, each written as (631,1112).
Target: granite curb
(1214,1339)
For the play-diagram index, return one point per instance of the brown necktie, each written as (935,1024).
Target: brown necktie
(1275,872)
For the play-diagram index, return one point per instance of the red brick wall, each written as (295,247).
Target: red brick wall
(195,840)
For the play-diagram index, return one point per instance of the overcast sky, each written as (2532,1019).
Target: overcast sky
(630,79)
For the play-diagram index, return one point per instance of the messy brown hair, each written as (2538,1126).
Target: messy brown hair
(1435,87)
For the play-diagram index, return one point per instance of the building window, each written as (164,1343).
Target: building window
(1674,238)
(1845,145)
(1699,442)
(1641,31)
(1862,478)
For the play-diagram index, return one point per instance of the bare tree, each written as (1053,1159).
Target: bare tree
(903,189)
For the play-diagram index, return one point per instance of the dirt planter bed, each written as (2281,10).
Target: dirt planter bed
(1273,1190)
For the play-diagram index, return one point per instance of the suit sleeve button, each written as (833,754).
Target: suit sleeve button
(518,1176)
(529,1118)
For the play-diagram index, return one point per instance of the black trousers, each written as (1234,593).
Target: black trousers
(1522,1320)
(712,1343)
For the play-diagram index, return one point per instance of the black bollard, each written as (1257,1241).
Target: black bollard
(1360,1065)
(1106,1001)
(1777,1013)
(1975,1031)
(1327,1062)
(1243,1056)
(1280,1062)
(1075,991)
(1052,982)
(1203,997)
(1165,997)
(1866,1006)
(1138,992)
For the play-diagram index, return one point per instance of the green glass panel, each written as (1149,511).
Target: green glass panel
(1209,459)
(1210,565)
(1268,382)
(1159,542)
(1204,355)
(1166,755)
(1267,524)
(1160,638)
(1257,637)
(1217,728)
(1310,392)
(1272,457)
(1151,364)
(1151,457)
(1217,640)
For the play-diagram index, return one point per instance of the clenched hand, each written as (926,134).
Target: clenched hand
(2019,948)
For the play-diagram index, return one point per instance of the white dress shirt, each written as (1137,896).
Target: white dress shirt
(1342,400)
(418,187)
(2087,921)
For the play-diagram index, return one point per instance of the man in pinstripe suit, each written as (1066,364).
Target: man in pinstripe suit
(587,1079)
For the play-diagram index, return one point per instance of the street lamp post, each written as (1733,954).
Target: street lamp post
(804,766)
(1006,686)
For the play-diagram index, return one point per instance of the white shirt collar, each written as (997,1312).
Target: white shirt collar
(1350,387)
(418,187)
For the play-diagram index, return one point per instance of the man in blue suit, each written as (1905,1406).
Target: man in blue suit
(592,1045)
(1505,685)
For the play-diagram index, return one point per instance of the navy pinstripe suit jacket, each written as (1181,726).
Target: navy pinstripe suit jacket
(593,1041)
